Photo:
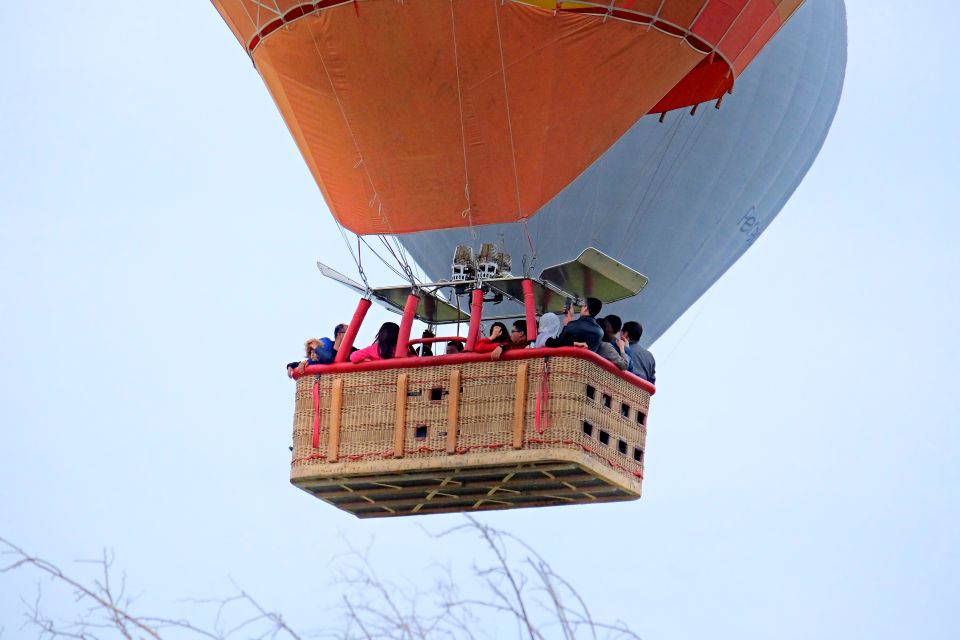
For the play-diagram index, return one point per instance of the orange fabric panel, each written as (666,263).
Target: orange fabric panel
(378,81)
(403,131)
(579,92)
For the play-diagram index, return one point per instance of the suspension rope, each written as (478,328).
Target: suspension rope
(506,99)
(405,260)
(346,121)
(407,273)
(533,248)
(660,157)
(597,170)
(255,21)
(386,262)
(357,260)
(468,211)
(686,148)
(375,199)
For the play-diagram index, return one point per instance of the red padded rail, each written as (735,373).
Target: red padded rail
(412,362)
(437,339)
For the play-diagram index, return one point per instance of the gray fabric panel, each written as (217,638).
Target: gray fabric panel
(668,199)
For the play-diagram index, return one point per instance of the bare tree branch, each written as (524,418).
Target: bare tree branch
(498,593)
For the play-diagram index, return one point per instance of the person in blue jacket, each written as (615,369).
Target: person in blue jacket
(584,329)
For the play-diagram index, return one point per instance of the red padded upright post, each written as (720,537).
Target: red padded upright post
(530,306)
(343,354)
(403,340)
(476,310)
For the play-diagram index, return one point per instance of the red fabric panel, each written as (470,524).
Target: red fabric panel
(643,6)
(709,81)
(750,27)
(757,42)
(716,19)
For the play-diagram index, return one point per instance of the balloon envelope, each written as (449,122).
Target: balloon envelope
(428,114)
(681,200)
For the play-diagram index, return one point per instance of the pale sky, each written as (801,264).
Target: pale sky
(159,238)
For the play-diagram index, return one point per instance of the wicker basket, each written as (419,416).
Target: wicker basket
(469,436)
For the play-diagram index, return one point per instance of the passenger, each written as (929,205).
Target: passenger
(496,344)
(320,350)
(622,343)
(308,351)
(610,348)
(518,335)
(426,349)
(616,324)
(454,346)
(642,362)
(383,347)
(322,353)
(583,329)
(549,327)
(499,336)
(338,332)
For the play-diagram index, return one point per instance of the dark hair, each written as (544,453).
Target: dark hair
(520,325)
(504,334)
(608,333)
(594,306)
(615,322)
(387,339)
(340,328)
(457,345)
(634,330)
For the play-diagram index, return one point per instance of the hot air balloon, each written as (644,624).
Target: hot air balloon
(454,121)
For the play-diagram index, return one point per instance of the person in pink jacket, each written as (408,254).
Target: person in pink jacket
(382,348)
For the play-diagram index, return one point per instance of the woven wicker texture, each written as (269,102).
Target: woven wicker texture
(588,422)
(477,487)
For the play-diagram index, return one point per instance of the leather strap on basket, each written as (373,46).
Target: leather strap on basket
(542,412)
(316,413)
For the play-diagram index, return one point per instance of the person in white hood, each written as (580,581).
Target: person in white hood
(549,327)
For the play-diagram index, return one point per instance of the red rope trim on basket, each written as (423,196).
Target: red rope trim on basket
(386,455)
(312,456)
(316,413)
